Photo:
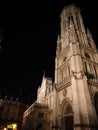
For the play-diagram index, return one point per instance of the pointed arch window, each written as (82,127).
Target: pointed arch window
(68,109)
(95,70)
(87,55)
(68,120)
(85,67)
(78,22)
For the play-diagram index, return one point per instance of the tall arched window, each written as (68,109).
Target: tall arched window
(85,67)
(95,71)
(96,102)
(69,122)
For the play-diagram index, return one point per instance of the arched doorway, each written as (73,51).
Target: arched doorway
(68,118)
(96,103)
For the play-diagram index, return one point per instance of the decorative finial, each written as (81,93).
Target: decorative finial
(44,73)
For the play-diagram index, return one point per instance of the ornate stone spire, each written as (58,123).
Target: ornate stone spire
(58,45)
(90,39)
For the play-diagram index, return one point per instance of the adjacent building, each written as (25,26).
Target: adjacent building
(11,113)
(71,101)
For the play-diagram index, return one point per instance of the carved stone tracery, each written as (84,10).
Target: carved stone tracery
(78,75)
(63,104)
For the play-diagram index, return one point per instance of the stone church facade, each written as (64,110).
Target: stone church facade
(71,101)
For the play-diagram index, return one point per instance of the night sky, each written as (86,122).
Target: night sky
(29,31)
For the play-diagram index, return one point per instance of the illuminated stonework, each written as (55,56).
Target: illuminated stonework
(11,112)
(71,102)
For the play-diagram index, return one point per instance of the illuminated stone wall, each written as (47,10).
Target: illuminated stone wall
(73,97)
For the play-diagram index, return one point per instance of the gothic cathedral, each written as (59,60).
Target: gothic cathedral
(71,101)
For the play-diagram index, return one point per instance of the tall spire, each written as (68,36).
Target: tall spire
(44,73)
(90,39)
(58,45)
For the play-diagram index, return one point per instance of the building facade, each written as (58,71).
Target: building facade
(11,113)
(71,101)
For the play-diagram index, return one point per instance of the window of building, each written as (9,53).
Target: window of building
(49,89)
(85,67)
(87,55)
(95,71)
(68,109)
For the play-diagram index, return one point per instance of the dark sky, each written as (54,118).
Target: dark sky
(30,32)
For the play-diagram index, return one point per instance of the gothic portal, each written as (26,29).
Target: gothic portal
(71,101)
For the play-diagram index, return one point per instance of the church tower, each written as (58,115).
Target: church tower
(76,75)
(71,101)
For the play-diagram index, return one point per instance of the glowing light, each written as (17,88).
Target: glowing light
(14,126)
(9,126)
